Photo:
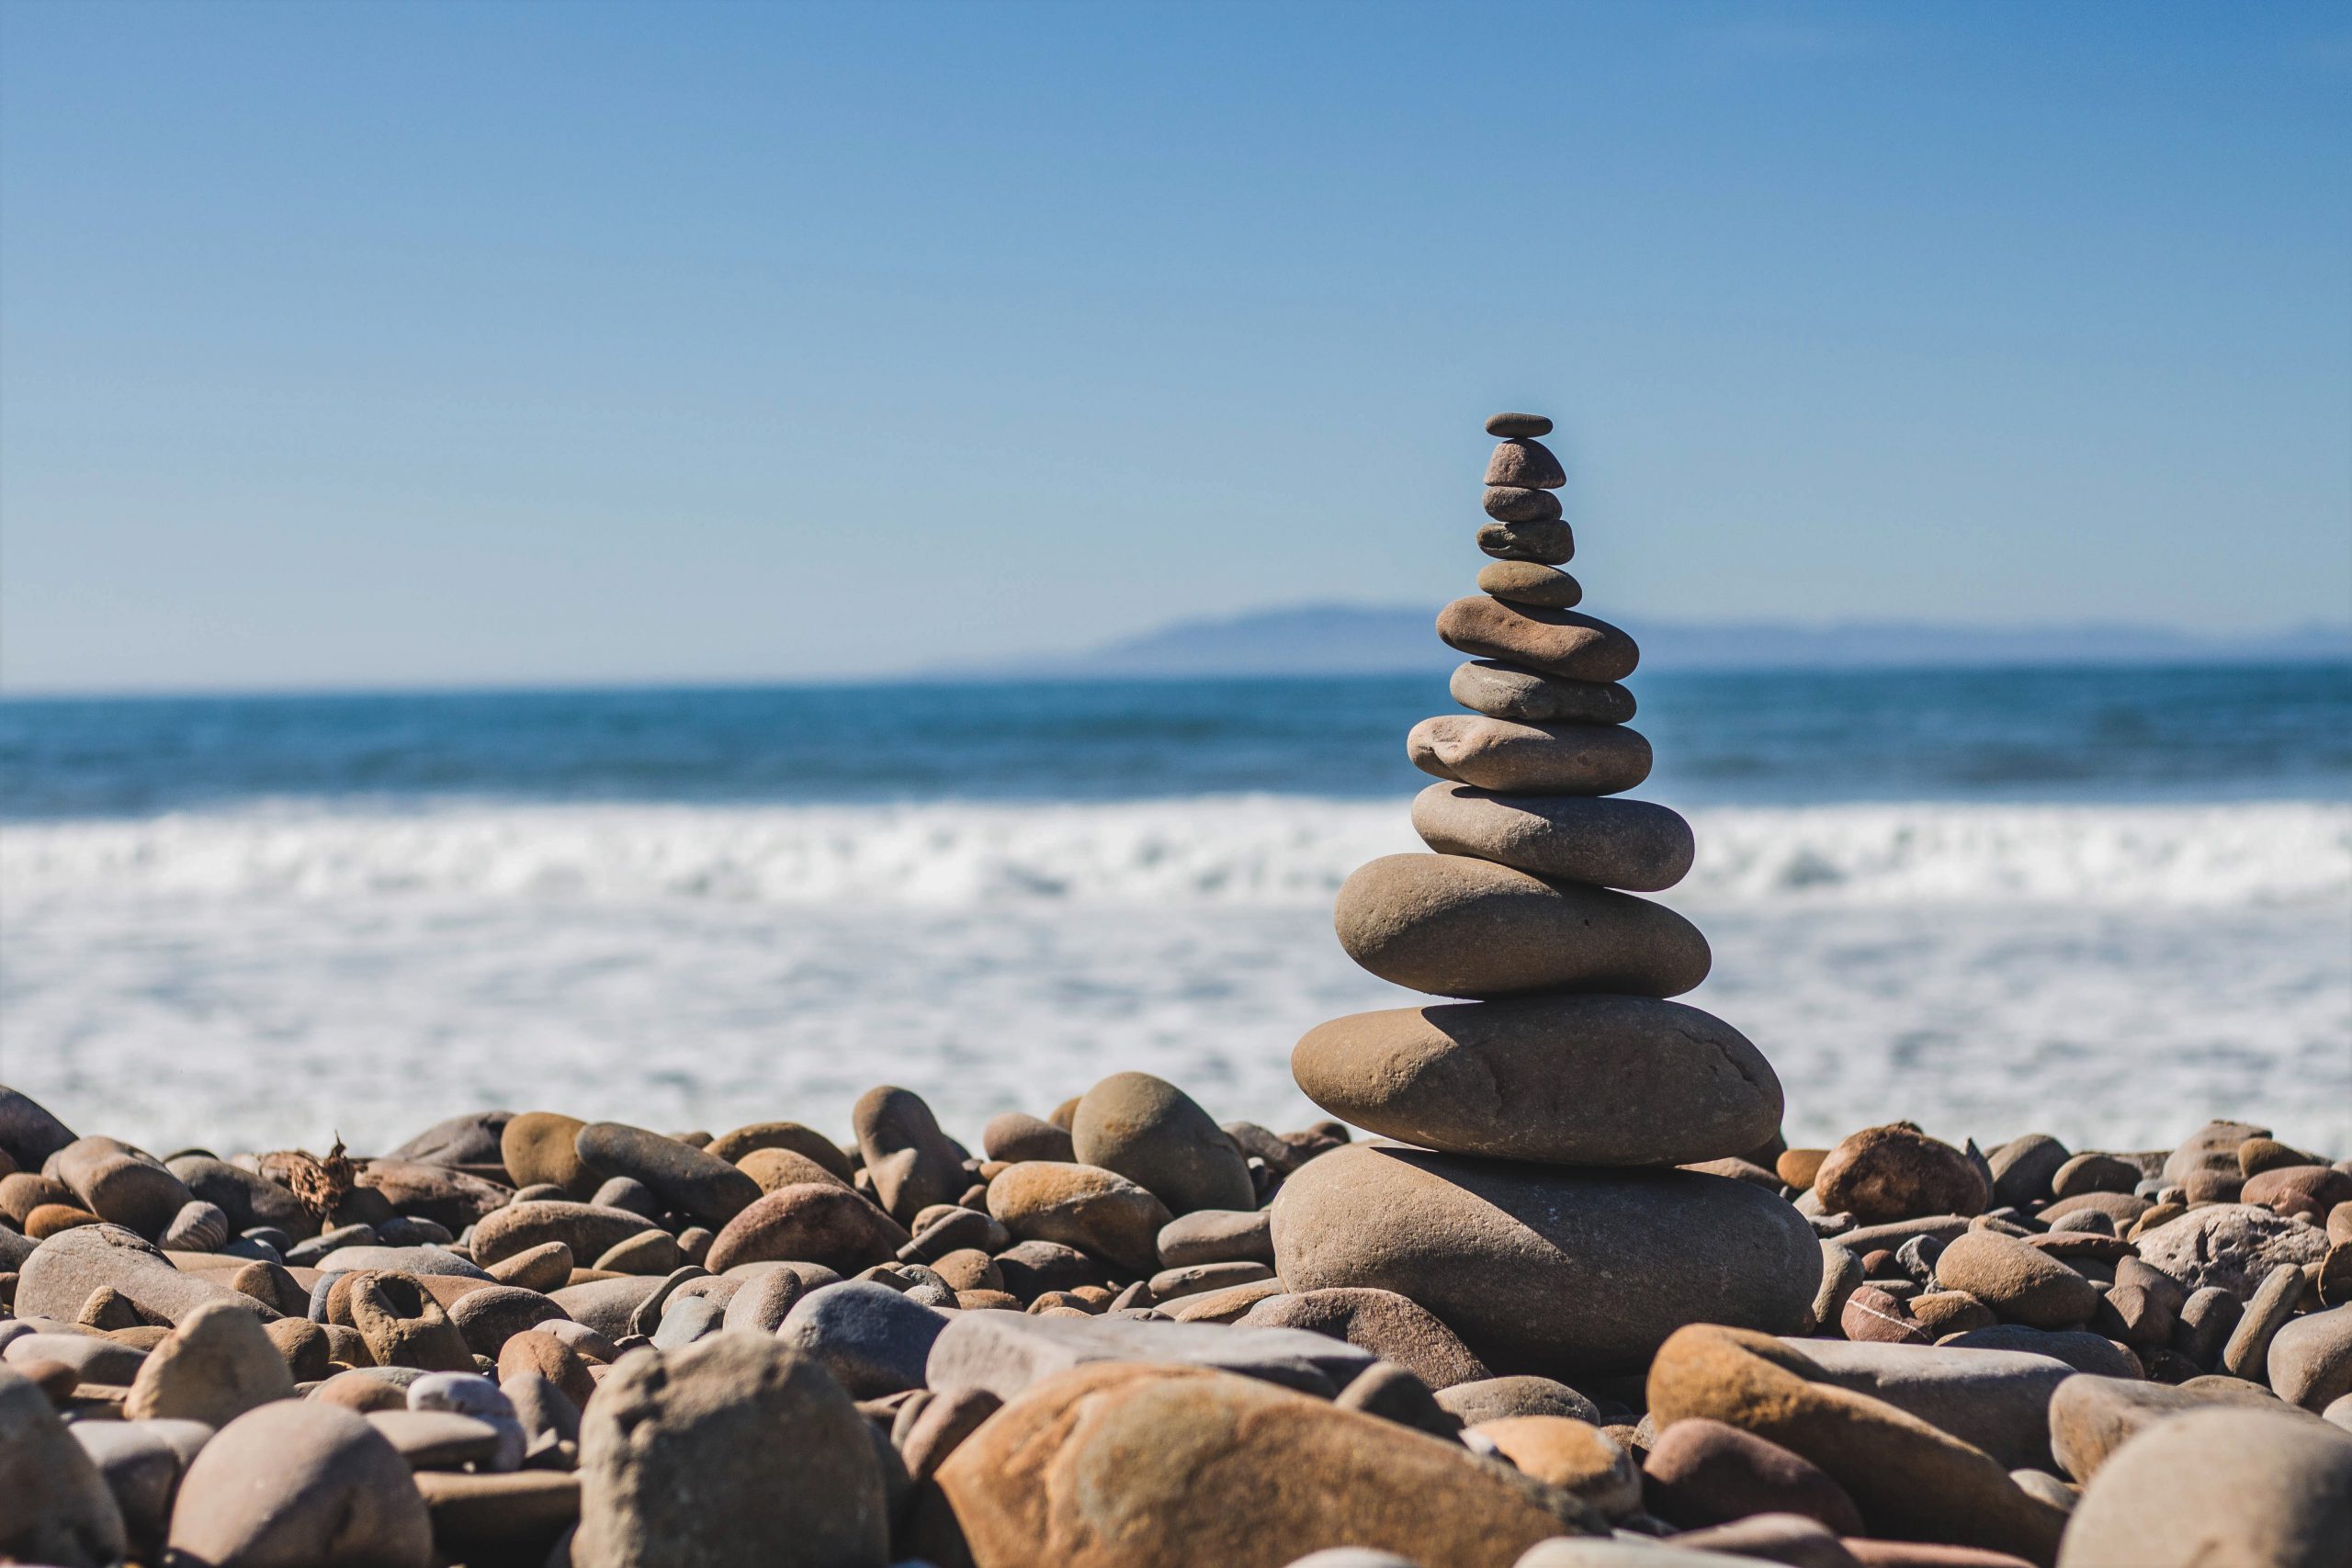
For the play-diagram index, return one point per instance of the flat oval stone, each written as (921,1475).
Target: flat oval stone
(683,1177)
(1537,758)
(1518,503)
(1555,642)
(1215,1235)
(1608,1080)
(1702,1471)
(59,1276)
(1522,1394)
(121,1185)
(1391,1326)
(2019,1283)
(589,1230)
(1085,1206)
(810,1223)
(1607,844)
(1509,424)
(806,1141)
(1505,690)
(1526,582)
(1525,462)
(1453,926)
(1494,1249)
(2092,1416)
(1545,542)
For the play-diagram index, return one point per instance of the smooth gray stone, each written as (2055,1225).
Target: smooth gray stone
(607,1306)
(1494,1399)
(15,1248)
(681,1176)
(1216,1235)
(871,1338)
(471,1138)
(28,1133)
(1864,1239)
(143,1463)
(444,1439)
(1997,1400)
(2091,1417)
(96,1358)
(490,1317)
(2218,1489)
(2079,1349)
(300,1481)
(402,1260)
(248,1198)
(1004,1352)
(686,1319)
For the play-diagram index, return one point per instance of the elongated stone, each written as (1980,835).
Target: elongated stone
(1529,582)
(1453,926)
(1560,1272)
(1536,759)
(1631,844)
(1555,642)
(1567,1081)
(1505,690)
(1518,424)
(1545,541)
(1518,504)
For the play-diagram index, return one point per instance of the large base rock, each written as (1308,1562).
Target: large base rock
(1561,1272)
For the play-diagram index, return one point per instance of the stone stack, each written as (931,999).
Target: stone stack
(1531,1198)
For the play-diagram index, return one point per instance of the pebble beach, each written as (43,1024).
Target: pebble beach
(1543,1273)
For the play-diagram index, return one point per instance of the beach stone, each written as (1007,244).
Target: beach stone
(1792,1539)
(197,1227)
(679,1464)
(2232,1246)
(1553,642)
(683,1178)
(586,1230)
(2120,1209)
(1156,1135)
(64,1270)
(120,1184)
(1519,504)
(805,1142)
(2024,1168)
(2205,1323)
(2309,1191)
(423,1262)
(487,1318)
(1016,1136)
(55,1507)
(1549,759)
(1082,1206)
(1492,1248)
(141,1462)
(2091,1417)
(2078,1348)
(531,1353)
(2020,1284)
(2214,1147)
(2310,1362)
(1611,843)
(1505,690)
(1527,582)
(1156,1467)
(300,1482)
(873,1340)
(22,1192)
(28,1133)
(470,1137)
(55,1218)
(546,1267)
(1496,1399)
(216,1365)
(1527,463)
(1518,424)
(248,1198)
(363,1389)
(404,1325)
(911,1161)
(1174,1284)
(1702,1471)
(772,1168)
(303,1346)
(1216,1235)
(2093,1173)
(1542,542)
(1634,1549)
(1910,1479)
(1030,1269)
(945,1228)
(1994,1400)
(2218,1489)
(422,1189)
(1613,1080)
(1004,1353)
(1453,926)
(1873,1317)
(2247,1353)
(94,1357)
(646,1252)
(443,1439)
(514,1517)
(542,1146)
(1894,1172)
(1390,1327)
(1575,1456)
(812,1222)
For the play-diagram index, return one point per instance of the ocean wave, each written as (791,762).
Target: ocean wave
(1270,851)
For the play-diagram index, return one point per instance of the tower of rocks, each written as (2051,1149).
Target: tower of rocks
(1530,1197)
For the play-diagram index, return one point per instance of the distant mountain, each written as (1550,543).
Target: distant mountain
(1329,639)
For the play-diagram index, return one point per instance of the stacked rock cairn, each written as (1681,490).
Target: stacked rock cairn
(1539,1121)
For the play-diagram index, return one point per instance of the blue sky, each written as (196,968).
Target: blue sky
(436,343)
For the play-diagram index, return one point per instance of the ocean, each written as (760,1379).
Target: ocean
(2102,902)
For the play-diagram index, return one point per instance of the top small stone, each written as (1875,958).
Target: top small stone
(1519,424)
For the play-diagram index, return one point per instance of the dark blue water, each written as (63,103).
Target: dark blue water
(2218,732)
